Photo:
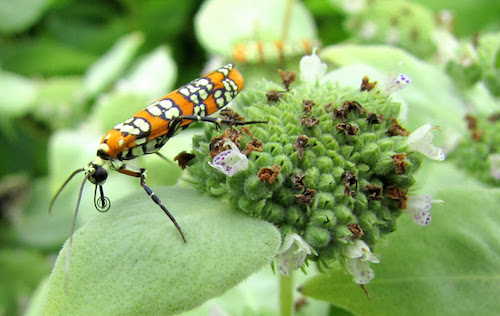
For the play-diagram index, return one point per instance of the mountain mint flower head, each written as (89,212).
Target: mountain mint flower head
(311,68)
(421,141)
(331,169)
(292,254)
(479,152)
(357,258)
(230,161)
(407,24)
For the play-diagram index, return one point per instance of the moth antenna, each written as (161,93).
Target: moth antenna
(63,186)
(73,226)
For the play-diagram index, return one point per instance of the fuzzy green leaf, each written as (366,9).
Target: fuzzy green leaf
(110,66)
(15,16)
(220,24)
(448,268)
(153,75)
(12,86)
(132,260)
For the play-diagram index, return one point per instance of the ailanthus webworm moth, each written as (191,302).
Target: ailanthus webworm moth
(266,51)
(148,130)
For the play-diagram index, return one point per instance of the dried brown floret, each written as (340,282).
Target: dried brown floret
(396,130)
(400,162)
(347,128)
(300,144)
(471,122)
(306,197)
(269,175)
(183,159)
(298,181)
(340,113)
(349,106)
(309,121)
(366,85)
(397,194)
(494,117)
(350,180)
(356,230)
(232,115)
(255,145)
(373,118)
(217,145)
(308,105)
(274,96)
(477,135)
(374,193)
(287,77)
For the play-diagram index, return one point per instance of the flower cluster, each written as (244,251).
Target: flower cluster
(479,153)
(332,168)
(405,24)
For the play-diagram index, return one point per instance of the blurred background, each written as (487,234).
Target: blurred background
(70,70)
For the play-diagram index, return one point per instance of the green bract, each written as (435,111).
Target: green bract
(330,158)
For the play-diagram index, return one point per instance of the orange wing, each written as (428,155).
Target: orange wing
(146,131)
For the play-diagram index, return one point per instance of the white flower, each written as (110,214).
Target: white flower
(311,68)
(368,30)
(495,166)
(292,254)
(418,206)
(392,36)
(421,139)
(353,6)
(230,161)
(397,82)
(358,258)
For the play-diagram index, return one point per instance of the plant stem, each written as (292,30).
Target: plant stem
(286,20)
(286,295)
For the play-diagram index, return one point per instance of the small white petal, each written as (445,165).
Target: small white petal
(494,160)
(418,206)
(360,270)
(311,68)
(230,161)
(353,6)
(292,254)
(368,30)
(397,82)
(359,250)
(421,140)
(393,36)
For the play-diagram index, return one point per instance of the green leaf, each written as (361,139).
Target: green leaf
(448,268)
(43,57)
(58,101)
(18,15)
(17,94)
(153,75)
(132,260)
(20,272)
(110,66)
(220,24)
(150,78)
(259,295)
